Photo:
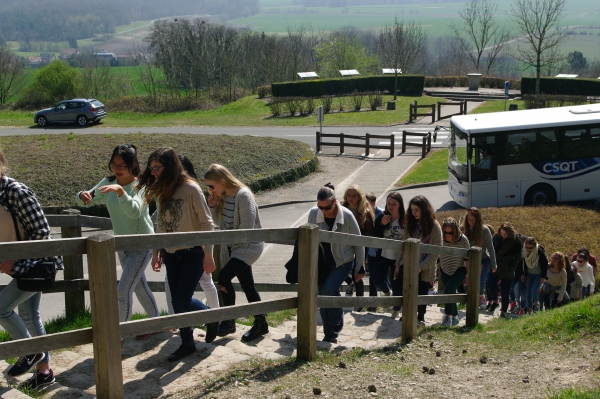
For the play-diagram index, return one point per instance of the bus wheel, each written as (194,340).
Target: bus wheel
(540,194)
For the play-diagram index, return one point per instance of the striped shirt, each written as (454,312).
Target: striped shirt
(18,198)
(450,263)
(228,211)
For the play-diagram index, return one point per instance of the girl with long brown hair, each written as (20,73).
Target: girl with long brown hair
(480,235)
(180,207)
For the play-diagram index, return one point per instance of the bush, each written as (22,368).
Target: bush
(326,102)
(462,81)
(292,104)
(301,106)
(564,86)
(53,83)
(263,91)
(340,101)
(275,105)
(407,84)
(357,100)
(375,99)
(548,101)
(310,105)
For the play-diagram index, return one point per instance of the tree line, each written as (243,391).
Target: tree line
(185,60)
(62,20)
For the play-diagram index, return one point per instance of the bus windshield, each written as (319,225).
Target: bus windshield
(457,154)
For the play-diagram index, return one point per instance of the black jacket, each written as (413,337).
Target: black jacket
(508,256)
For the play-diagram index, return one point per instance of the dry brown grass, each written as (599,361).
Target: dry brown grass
(563,228)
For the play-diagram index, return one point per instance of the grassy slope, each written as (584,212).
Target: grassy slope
(78,162)
(247,111)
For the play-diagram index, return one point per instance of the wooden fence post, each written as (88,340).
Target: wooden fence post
(74,300)
(318,142)
(432,113)
(102,268)
(440,109)
(341,143)
(429,142)
(473,286)
(392,144)
(403,144)
(424,147)
(308,247)
(367,144)
(410,290)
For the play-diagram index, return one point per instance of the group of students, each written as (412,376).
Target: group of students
(181,206)
(512,264)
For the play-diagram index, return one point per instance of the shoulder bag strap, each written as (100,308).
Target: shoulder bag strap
(13,216)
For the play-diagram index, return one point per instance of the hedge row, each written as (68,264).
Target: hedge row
(565,86)
(462,81)
(552,100)
(407,84)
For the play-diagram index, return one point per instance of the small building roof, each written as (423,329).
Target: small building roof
(349,72)
(566,75)
(391,71)
(308,75)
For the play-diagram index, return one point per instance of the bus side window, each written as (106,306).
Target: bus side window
(574,144)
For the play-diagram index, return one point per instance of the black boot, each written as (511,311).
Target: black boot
(212,329)
(226,327)
(260,327)
(183,351)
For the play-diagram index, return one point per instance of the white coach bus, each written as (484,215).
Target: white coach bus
(539,156)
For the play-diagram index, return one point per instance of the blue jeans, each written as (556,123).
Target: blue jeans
(28,322)
(380,268)
(184,269)
(485,269)
(532,283)
(134,264)
(331,287)
(451,284)
(584,291)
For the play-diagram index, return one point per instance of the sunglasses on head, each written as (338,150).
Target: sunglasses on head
(580,260)
(210,186)
(326,208)
(473,211)
(448,233)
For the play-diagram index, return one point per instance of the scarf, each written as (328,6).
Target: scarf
(531,259)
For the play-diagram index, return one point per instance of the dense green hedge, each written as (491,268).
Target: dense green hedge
(407,84)
(573,87)
(462,81)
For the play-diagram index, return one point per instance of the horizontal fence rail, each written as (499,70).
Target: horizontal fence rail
(366,142)
(425,145)
(414,111)
(461,104)
(106,330)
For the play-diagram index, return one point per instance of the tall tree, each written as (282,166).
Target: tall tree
(537,21)
(480,37)
(400,47)
(12,73)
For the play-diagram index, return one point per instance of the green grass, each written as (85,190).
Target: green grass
(430,169)
(576,393)
(87,156)
(497,106)
(247,111)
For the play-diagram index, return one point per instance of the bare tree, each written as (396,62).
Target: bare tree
(400,47)
(540,34)
(12,74)
(480,33)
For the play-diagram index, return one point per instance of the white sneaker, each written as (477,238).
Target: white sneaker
(482,301)
(420,323)
(395,314)
(447,322)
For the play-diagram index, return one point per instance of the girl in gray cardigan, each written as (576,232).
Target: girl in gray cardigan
(233,207)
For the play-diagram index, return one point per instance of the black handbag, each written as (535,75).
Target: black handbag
(38,277)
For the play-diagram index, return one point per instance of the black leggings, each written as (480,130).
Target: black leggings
(240,269)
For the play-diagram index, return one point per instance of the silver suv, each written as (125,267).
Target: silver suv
(79,110)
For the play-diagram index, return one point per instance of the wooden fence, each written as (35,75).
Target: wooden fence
(461,104)
(425,145)
(106,331)
(414,111)
(366,139)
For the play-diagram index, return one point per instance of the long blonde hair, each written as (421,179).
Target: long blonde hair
(216,172)
(3,165)
(364,207)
